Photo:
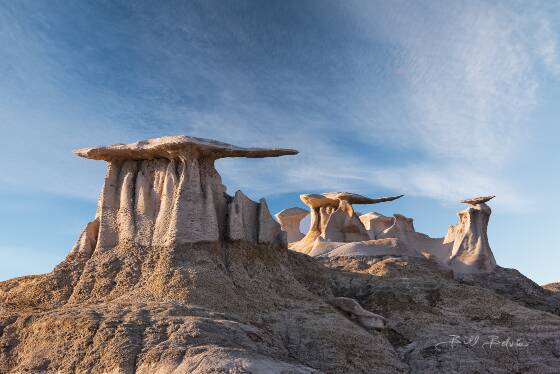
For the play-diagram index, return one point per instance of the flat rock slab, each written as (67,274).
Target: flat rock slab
(174,146)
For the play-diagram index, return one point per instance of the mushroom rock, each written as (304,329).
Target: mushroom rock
(335,232)
(333,219)
(289,221)
(166,191)
(471,252)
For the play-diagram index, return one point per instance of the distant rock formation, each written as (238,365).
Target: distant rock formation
(289,221)
(471,251)
(408,240)
(336,230)
(333,220)
(166,191)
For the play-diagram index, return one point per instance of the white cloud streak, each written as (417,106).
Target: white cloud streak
(463,81)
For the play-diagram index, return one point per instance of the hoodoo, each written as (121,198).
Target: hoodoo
(333,220)
(166,191)
(471,251)
(289,221)
(336,230)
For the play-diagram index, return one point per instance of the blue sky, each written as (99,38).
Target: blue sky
(439,100)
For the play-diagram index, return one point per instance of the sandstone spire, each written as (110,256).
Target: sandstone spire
(333,219)
(289,221)
(166,191)
(471,251)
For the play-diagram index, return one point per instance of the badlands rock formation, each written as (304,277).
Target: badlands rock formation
(166,191)
(333,221)
(230,297)
(471,251)
(337,231)
(175,276)
(290,220)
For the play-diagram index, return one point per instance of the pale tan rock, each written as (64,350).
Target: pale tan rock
(471,252)
(375,223)
(353,198)
(368,248)
(166,191)
(290,220)
(269,230)
(465,247)
(478,200)
(318,201)
(88,239)
(344,225)
(333,219)
(242,217)
(331,240)
(174,147)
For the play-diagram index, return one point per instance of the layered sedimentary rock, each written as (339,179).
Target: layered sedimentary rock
(290,220)
(471,252)
(333,220)
(166,191)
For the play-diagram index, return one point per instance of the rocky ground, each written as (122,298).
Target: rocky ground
(236,307)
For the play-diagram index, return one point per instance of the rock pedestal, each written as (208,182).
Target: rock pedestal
(336,230)
(289,221)
(334,220)
(166,191)
(471,251)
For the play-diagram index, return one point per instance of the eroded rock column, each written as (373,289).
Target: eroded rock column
(166,191)
(290,220)
(471,252)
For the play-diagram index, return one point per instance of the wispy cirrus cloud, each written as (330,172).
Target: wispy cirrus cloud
(428,98)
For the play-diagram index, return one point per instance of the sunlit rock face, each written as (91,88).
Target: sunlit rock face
(401,228)
(337,231)
(166,191)
(290,220)
(471,252)
(334,221)
(465,249)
